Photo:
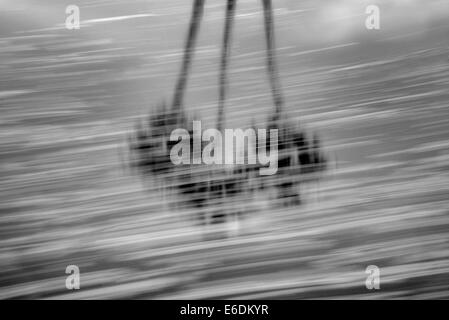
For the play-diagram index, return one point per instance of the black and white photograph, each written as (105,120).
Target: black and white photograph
(250,150)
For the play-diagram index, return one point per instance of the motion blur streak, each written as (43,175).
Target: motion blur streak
(378,99)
